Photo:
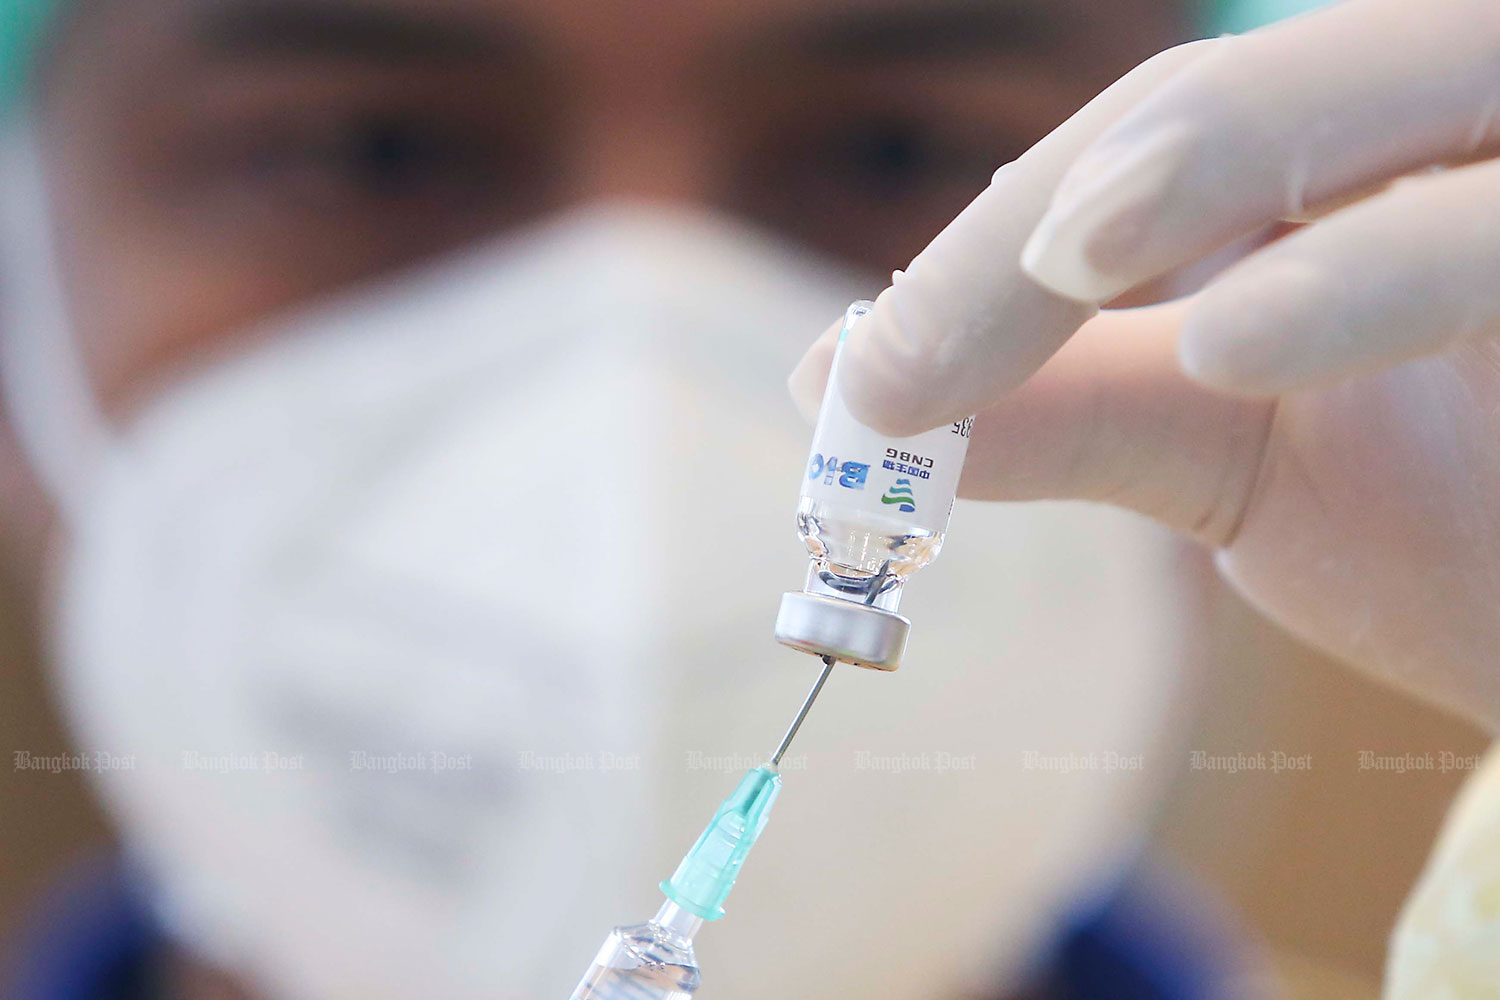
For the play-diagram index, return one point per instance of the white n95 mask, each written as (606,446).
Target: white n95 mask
(439,619)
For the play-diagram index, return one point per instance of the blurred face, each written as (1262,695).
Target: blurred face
(217,160)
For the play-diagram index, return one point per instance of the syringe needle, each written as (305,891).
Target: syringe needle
(812,696)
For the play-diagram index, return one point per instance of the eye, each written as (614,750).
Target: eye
(376,157)
(328,188)
(895,158)
(872,186)
(393,156)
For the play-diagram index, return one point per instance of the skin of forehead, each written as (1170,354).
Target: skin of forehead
(664,29)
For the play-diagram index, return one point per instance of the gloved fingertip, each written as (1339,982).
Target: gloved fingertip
(884,405)
(806,388)
(1205,363)
(1255,335)
(809,378)
(1054,258)
(1087,245)
(1240,360)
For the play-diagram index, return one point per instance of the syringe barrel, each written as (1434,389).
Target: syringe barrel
(650,961)
(873,510)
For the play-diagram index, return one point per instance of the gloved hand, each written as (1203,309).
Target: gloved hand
(1326,412)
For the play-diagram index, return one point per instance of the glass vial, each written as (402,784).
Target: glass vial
(873,510)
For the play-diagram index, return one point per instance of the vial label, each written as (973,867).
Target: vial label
(912,480)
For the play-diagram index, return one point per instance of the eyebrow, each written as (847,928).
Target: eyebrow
(926,31)
(261,28)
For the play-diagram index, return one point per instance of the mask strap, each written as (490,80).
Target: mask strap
(46,389)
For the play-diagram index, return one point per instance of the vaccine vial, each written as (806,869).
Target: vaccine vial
(873,510)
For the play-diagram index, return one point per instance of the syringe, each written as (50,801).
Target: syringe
(873,511)
(655,960)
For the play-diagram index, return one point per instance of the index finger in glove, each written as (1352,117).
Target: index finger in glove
(963,325)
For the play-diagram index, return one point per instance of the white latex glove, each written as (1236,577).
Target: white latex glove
(1447,943)
(1325,414)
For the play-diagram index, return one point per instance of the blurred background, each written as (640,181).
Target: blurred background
(264,216)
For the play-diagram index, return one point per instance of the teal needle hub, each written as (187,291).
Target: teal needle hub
(703,879)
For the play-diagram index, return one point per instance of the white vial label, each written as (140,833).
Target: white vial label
(912,480)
